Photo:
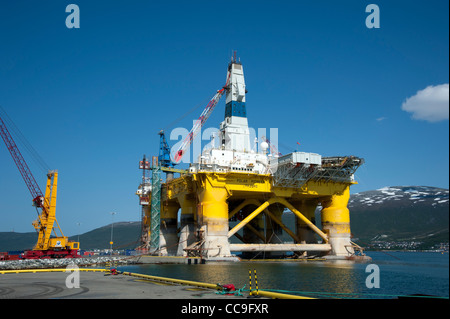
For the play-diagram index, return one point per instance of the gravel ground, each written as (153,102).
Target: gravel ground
(63,262)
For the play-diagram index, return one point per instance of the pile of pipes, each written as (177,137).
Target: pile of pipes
(64,262)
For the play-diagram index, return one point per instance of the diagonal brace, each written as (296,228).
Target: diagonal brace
(303,218)
(251,216)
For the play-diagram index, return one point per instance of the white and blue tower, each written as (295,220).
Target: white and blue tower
(234,129)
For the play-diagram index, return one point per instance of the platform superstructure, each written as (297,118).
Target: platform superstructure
(239,188)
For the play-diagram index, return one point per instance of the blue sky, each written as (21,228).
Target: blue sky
(92,100)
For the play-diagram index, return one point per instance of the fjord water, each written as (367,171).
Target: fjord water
(401,273)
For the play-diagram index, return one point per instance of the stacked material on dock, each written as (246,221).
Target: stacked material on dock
(63,262)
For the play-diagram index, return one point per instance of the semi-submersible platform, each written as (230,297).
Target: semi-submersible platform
(234,184)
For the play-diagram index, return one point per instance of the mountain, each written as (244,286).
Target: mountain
(125,236)
(390,217)
(401,214)
(10,241)
(396,217)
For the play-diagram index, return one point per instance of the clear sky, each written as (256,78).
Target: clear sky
(91,100)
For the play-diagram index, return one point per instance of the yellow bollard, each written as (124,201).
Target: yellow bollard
(252,294)
(250,280)
(256,282)
(107,268)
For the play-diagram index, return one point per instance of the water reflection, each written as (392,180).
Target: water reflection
(408,274)
(336,276)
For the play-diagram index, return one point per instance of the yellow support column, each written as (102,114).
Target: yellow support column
(168,230)
(335,218)
(213,209)
(305,234)
(187,222)
(274,231)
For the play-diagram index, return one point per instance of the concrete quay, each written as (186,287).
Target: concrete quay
(97,285)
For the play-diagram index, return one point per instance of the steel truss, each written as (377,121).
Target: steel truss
(333,169)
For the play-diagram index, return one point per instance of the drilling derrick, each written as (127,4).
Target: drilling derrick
(234,132)
(234,189)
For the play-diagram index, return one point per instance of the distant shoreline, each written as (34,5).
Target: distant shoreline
(409,250)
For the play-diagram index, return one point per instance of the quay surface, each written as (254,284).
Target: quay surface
(97,285)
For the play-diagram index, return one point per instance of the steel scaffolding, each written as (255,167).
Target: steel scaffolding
(155,214)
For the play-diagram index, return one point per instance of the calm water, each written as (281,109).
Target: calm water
(401,273)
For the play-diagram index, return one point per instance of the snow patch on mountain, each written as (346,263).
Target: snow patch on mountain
(410,194)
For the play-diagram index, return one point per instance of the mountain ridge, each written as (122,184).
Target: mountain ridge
(378,218)
(417,214)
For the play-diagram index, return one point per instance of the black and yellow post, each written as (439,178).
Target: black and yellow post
(253,294)
(256,282)
(250,280)
(107,268)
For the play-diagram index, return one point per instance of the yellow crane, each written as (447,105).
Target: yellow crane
(46,246)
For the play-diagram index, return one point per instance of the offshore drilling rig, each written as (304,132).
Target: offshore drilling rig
(233,183)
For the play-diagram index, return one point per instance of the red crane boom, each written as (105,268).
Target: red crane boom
(199,123)
(28,177)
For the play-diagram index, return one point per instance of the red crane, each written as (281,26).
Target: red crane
(28,177)
(199,123)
